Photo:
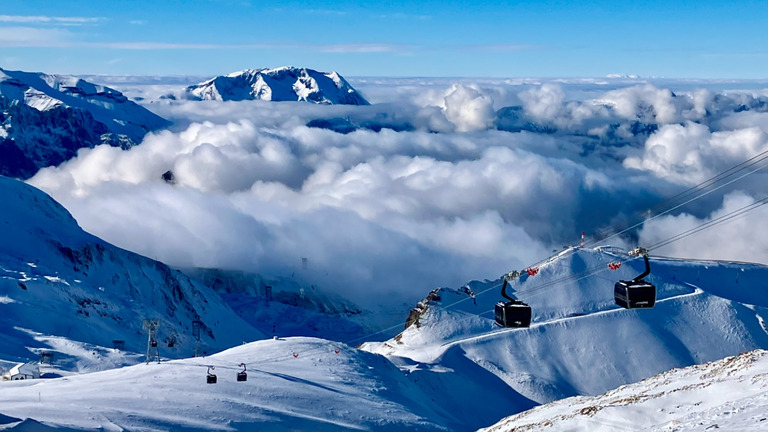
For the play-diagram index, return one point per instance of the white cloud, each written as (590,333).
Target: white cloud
(469,109)
(361,48)
(737,239)
(646,103)
(545,102)
(56,20)
(448,199)
(33,37)
(690,153)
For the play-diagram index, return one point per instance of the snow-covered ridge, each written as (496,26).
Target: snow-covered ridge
(580,343)
(278,84)
(325,386)
(58,281)
(729,394)
(45,118)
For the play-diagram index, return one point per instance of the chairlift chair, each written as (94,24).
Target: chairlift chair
(636,293)
(242,375)
(512,313)
(210,378)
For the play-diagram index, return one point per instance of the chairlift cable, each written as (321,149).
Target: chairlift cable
(677,206)
(699,187)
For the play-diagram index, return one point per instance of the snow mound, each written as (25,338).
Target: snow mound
(292,384)
(728,394)
(279,84)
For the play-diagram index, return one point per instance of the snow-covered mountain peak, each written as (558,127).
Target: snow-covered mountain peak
(46,118)
(65,90)
(278,84)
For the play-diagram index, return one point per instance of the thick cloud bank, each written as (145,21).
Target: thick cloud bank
(436,183)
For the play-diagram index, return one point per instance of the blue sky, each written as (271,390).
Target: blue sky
(676,39)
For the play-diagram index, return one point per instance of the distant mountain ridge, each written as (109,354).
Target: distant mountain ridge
(279,84)
(45,119)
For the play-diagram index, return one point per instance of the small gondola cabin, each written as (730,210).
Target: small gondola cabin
(513,314)
(634,294)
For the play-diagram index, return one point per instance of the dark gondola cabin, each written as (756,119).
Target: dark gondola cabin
(513,314)
(242,375)
(636,293)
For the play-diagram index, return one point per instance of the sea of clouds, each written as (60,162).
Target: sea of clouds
(436,183)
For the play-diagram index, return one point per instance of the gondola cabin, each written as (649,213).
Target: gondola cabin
(513,314)
(242,375)
(634,295)
(210,378)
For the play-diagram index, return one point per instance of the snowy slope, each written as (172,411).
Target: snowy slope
(44,119)
(58,281)
(729,394)
(279,84)
(283,306)
(454,371)
(580,343)
(327,387)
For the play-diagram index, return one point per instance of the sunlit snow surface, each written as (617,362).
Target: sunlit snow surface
(319,389)
(729,394)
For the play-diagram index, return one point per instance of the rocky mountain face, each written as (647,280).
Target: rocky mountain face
(279,84)
(57,280)
(45,119)
(285,306)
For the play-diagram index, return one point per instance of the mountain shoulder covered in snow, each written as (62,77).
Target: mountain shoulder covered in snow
(45,119)
(292,384)
(60,285)
(580,343)
(729,394)
(279,84)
